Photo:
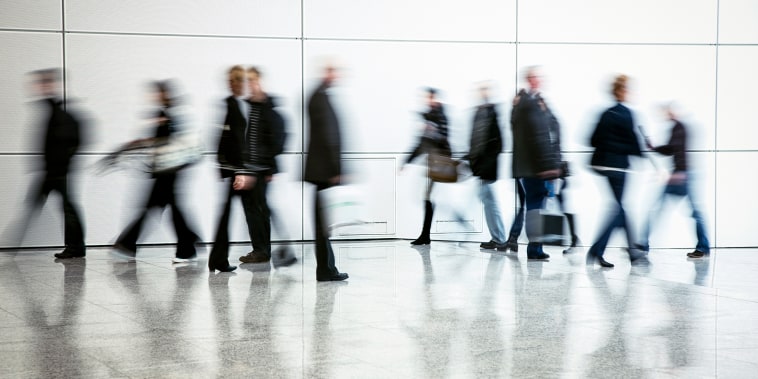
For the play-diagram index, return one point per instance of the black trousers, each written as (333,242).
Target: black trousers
(325,265)
(257,215)
(73,229)
(163,194)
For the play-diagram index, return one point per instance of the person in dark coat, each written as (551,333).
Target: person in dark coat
(485,147)
(614,140)
(432,141)
(163,193)
(536,157)
(678,185)
(62,139)
(323,168)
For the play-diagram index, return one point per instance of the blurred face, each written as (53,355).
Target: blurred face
(622,94)
(331,75)
(237,84)
(534,79)
(45,86)
(484,93)
(254,84)
(431,99)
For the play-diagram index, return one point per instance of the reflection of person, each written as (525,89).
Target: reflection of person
(164,188)
(614,140)
(433,140)
(62,139)
(536,157)
(486,145)
(678,185)
(323,169)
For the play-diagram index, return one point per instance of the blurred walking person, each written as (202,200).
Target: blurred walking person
(432,141)
(536,155)
(323,168)
(614,140)
(678,185)
(485,146)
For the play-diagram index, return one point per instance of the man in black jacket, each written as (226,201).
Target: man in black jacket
(536,157)
(62,139)
(486,145)
(252,137)
(323,168)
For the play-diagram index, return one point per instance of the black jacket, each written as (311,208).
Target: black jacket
(614,138)
(484,158)
(324,142)
(62,138)
(234,150)
(534,149)
(677,146)
(434,138)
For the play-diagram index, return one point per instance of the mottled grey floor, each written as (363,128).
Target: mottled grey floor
(446,311)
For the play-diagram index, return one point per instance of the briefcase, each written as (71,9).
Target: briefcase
(547,226)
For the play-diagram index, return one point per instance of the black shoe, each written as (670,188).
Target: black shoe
(222,268)
(255,257)
(540,256)
(492,245)
(340,276)
(421,241)
(512,244)
(696,254)
(637,254)
(602,262)
(70,253)
(284,258)
(570,250)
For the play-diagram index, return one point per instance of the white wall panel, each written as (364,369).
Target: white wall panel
(577,81)
(39,15)
(737,78)
(736,210)
(448,20)
(645,21)
(380,96)
(22,53)
(109,74)
(737,21)
(231,17)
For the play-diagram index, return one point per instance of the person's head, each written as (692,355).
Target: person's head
(163,92)
(619,89)
(669,109)
(484,92)
(47,82)
(253,76)
(331,74)
(533,77)
(431,96)
(237,80)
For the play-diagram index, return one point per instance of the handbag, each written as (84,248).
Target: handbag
(443,168)
(546,225)
(176,153)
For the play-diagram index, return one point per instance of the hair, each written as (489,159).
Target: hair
(254,70)
(236,71)
(619,85)
(167,88)
(530,70)
(431,91)
(48,74)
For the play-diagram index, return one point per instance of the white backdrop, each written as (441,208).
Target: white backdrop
(700,54)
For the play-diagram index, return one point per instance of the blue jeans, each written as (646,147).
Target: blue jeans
(535,194)
(679,190)
(617,180)
(518,221)
(492,211)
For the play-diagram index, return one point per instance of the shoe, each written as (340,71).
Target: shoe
(540,256)
(636,254)
(696,254)
(221,268)
(184,260)
(255,257)
(121,252)
(70,253)
(602,262)
(512,244)
(421,241)
(340,276)
(570,250)
(492,245)
(284,258)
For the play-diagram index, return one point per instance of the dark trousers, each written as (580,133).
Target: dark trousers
(324,254)
(518,221)
(73,229)
(535,194)
(163,195)
(617,181)
(257,215)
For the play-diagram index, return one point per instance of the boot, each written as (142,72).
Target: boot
(512,243)
(423,239)
(572,230)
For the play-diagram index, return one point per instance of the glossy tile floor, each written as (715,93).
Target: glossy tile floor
(446,311)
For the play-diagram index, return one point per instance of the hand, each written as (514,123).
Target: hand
(335,179)
(243,182)
(678,178)
(549,174)
(269,178)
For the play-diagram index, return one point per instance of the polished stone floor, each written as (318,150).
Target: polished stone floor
(446,311)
